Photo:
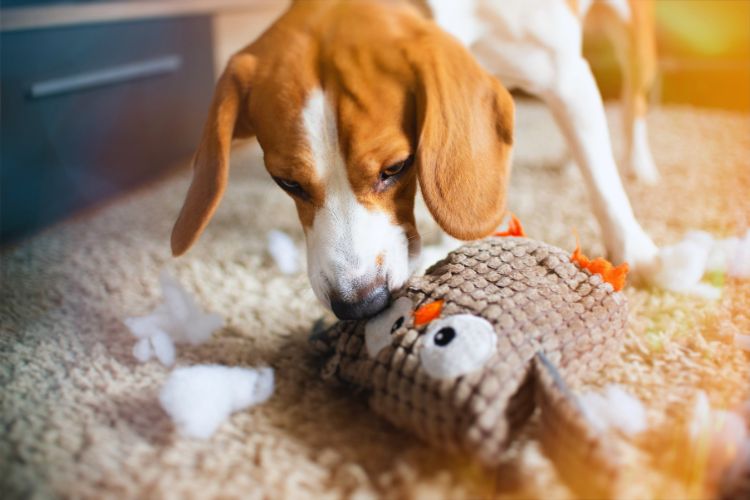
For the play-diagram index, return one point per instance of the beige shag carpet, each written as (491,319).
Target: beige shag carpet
(80,418)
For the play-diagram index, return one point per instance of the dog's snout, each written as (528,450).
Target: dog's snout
(368,303)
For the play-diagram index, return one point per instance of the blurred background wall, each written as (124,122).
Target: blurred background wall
(704,54)
(101,96)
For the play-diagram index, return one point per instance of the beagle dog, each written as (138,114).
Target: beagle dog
(354,102)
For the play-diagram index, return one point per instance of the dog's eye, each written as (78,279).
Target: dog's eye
(379,329)
(457,345)
(291,187)
(396,169)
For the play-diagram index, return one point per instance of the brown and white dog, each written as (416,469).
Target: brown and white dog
(355,101)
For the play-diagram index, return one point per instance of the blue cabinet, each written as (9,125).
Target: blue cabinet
(90,111)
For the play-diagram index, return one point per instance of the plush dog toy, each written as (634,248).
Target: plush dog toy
(465,353)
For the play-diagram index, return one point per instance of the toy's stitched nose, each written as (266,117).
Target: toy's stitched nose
(374,299)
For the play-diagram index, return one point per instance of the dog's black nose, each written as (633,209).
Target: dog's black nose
(373,302)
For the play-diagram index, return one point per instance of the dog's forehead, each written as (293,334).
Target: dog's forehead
(359,83)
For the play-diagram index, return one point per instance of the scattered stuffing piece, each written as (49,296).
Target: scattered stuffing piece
(687,264)
(178,319)
(142,350)
(739,266)
(284,251)
(199,398)
(742,341)
(616,408)
(159,344)
(697,254)
(719,437)
(705,291)
(703,238)
(720,254)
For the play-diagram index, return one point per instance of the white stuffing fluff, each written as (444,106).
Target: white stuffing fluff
(705,291)
(687,265)
(698,253)
(615,408)
(142,350)
(178,319)
(702,238)
(199,398)
(721,254)
(159,344)
(284,251)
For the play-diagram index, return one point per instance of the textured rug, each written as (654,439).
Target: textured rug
(80,418)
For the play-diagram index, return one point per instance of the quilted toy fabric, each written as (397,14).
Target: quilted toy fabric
(511,323)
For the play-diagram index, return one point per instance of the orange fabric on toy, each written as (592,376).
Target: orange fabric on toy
(514,228)
(615,276)
(427,313)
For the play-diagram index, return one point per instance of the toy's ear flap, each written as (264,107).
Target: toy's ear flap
(586,458)
(465,135)
(226,120)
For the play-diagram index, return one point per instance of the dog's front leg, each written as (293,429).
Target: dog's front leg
(574,100)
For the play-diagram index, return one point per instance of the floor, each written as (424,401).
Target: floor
(80,415)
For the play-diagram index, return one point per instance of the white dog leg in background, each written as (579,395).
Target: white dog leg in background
(575,102)
(637,160)
(577,106)
(631,29)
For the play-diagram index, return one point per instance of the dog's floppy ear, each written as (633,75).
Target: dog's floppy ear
(226,120)
(465,136)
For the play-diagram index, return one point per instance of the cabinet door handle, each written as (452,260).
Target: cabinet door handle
(106,76)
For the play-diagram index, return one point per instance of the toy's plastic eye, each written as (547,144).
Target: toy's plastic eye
(379,329)
(457,345)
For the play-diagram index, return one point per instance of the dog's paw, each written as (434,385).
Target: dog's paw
(638,250)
